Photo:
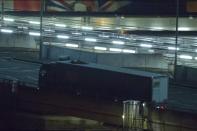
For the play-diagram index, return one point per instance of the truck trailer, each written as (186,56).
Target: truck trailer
(104,82)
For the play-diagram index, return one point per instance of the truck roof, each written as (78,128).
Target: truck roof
(116,69)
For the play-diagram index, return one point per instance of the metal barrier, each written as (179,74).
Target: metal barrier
(135,116)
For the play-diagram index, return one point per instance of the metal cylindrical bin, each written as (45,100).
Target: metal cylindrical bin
(134,115)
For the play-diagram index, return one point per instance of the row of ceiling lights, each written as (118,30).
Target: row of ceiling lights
(86,39)
(104,48)
(90,39)
(118,50)
(98,48)
(117,42)
(62,26)
(100,28)
(93,39)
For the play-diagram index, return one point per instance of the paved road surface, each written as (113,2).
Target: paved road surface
(19,70)
(180,98)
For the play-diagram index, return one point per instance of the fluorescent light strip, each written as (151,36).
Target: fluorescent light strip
(76,27)
(184,29)
(157,28)
(146,45)
(118,42)
(100,48)
(72,45)
(104,28)
(34,22)
(104,36)
(22,27)
(131,28)
(59,44)
(76,33)
(90,39)
(118,28)
(60,25)
(151,51)
(115,49)
(34,33)
(86,28)
(148,39)
(6,31)
(169,55)
(122,37)
(128,51)
(63,36)
(173,48)
(185,57)
(8,19)
(195,58)
(46,43)
(48,30)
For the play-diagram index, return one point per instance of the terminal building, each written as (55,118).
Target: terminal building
(98,65)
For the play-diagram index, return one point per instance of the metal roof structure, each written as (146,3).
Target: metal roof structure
(146,28)
(112,34)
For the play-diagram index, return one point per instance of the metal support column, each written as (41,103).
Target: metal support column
(41,25)
(176,41)
(2,10)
